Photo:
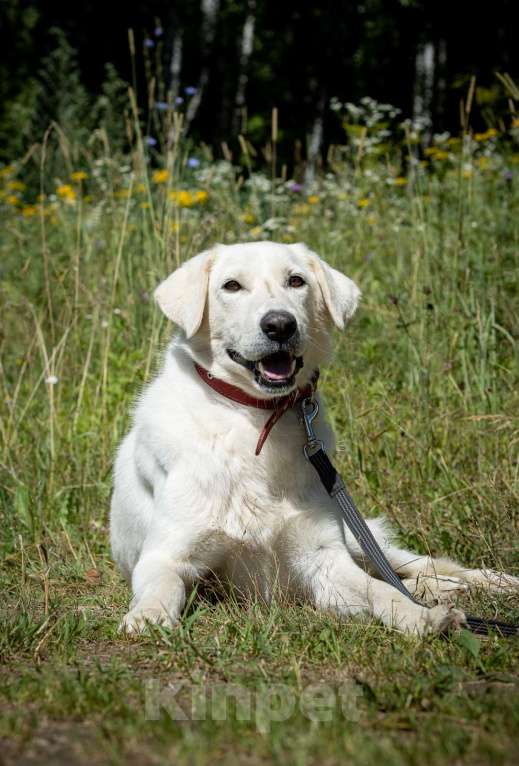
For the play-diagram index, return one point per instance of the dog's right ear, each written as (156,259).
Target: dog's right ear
(182,296)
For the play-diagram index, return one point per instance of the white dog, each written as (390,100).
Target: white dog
(192,496)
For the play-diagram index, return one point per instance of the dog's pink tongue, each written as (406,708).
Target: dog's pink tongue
(277,366)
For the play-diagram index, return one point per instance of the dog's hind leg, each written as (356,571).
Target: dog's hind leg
(311,553)
(428,577)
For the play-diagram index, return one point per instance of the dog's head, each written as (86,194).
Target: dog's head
(258,315)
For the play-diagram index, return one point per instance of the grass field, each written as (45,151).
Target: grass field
(423,395)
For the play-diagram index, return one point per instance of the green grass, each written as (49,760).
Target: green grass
(423,397)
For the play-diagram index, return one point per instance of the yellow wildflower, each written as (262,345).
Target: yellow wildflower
(371,219)
(256,231)
(145,205)
(29,211)
(490,133)
(41,197)
(174,226)
(248,218)
(363,202)
(7,170)
(515,122)
(399,181)
(483,163)
(16,185)
(141,188)
(301,209)
(182,198)
(454,141)
(467,173)
(313,199)
(430,151)
(440,154)
(160,176)
(12,199)
(66,192)
(201,197)
(79,175)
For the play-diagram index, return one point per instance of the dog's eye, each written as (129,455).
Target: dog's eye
(232,286)
(296,281)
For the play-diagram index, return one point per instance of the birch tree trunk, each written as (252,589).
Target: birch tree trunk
(424,86)
(176,63)
(247,44)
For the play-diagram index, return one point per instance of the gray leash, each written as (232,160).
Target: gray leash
(315,453)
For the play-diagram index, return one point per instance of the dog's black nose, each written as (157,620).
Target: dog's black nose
(278,325)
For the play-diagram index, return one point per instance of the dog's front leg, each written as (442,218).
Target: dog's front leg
(180,547)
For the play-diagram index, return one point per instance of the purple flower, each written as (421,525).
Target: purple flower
(158,31)
(162,106)
(179,100)
(295,187)
(190,90)
(508,175)
(150,141)
(148,43)
(193,162)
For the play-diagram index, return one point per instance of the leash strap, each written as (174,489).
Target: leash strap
(335,487)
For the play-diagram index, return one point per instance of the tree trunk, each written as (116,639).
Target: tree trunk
(247,44)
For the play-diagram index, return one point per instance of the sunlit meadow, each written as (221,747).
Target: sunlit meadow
(422,392)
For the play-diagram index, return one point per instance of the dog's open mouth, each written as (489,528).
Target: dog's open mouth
(277,367)
(274,371)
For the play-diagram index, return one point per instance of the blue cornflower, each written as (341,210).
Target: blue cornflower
(190,90)
(158,32)
(193,162)
(179,100)
(148,42)
(150,140)
(162,106)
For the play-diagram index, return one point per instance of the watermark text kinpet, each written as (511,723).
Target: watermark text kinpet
(183,701)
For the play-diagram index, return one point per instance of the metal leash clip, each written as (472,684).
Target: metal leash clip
(309,411)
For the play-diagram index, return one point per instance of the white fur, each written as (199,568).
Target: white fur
(191,497)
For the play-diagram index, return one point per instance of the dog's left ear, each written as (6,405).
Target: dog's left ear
(340,294)
(182,296)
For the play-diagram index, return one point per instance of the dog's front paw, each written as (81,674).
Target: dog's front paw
(138,619)
(443,619)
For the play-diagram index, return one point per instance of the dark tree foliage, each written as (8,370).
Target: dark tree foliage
(303,54)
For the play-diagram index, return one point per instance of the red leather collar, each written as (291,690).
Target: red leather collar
(280,404)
